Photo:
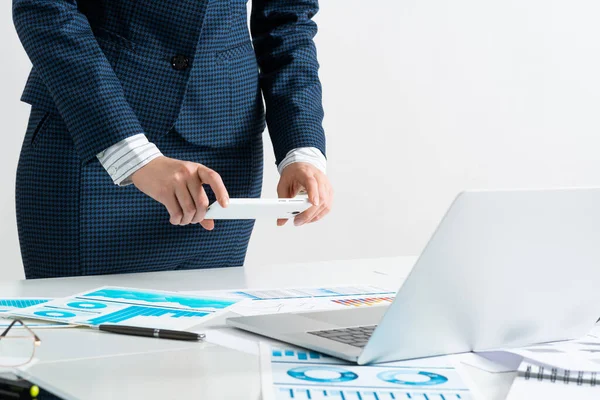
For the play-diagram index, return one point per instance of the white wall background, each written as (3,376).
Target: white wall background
(423,98)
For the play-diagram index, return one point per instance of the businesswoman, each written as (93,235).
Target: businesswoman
(144,112)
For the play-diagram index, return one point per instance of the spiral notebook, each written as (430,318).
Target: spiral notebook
(543,382)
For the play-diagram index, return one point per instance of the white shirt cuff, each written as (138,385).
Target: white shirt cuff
(310,155)
(122,159)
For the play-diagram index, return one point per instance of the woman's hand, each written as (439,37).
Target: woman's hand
(178,186)
(301,175)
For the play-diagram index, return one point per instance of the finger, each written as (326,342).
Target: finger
(283,190)
(322,213)
(194,187)
(186,203)
(208,224)
(174,209)
(312,187)
(305,216)
(297,189)
(312,212)
(286,190)
(200,199)
(213,179)
(323,198)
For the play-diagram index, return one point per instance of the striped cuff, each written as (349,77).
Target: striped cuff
(122,159)
(310,155)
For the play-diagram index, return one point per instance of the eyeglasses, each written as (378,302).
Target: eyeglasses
(17,345)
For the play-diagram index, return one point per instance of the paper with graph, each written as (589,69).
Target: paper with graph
(14,303)
(275,301)
(128,306)
(293,373)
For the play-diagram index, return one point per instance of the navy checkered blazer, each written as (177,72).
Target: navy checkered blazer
(104,70)
(115,68)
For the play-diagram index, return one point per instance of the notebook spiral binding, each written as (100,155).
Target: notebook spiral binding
(556,375)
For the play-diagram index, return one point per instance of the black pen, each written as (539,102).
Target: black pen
(151,332)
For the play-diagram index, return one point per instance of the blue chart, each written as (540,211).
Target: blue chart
(54,314)
(322,374)
(295,355)
(334,374)
(19,303)
(160,298)
(320,371)
(285,393)
(305,375)
(136,307)
(395,376)
(140,311)
(86,305)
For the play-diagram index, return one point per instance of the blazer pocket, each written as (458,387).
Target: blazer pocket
(234,52)
(40,126)
(241,84)
(109,38)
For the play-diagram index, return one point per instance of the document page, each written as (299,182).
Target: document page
(128,306)
(275,301)
(13,303)
(294,373)
(574,355)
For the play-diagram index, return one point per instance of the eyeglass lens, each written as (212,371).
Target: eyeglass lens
(16,347)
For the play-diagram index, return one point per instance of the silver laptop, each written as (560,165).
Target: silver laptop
(503,269)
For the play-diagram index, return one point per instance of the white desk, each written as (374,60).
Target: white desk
(86,364)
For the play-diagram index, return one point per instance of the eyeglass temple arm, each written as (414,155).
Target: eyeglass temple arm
(10,326)
(3,334)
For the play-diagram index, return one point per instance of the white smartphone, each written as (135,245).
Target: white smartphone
(258,208)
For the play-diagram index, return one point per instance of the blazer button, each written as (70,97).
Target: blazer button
(180,62)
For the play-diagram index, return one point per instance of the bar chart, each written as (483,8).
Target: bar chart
(294,355)
(140,311)
(9,304)
(285,393)
(362,302)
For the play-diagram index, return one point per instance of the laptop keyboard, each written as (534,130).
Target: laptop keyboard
(357,337)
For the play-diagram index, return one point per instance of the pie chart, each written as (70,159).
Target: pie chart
(55,314)
(412,377)
(86,305)
(322,374)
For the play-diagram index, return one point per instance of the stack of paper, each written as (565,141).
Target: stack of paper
(564,370)
(182,310)
(568,369)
